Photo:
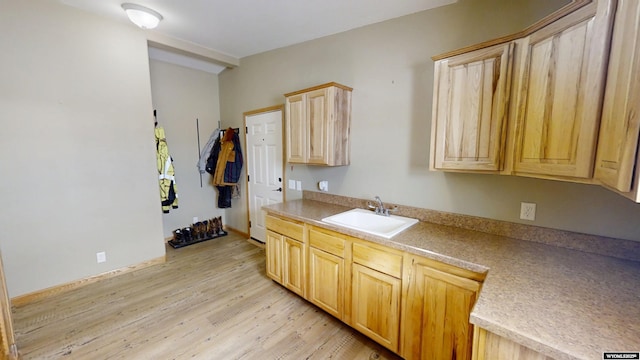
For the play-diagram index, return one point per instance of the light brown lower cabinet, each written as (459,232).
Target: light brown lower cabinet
(294,275)
(273,249)
(376,305)
(286,253)
(286,262)
(327,272)
(436,312)
(489,346)
(417,307)
(376,288)
(326,282)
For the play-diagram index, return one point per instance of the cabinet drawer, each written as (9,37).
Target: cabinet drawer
(326,242)
(385,261)
(291,229)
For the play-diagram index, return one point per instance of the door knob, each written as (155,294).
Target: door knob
(278,189)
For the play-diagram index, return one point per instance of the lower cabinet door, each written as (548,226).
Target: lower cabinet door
(326,282)
(436,322)
(294,266)
(273,249)
(376,305)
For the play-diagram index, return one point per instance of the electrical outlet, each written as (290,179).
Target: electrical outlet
(292,184)
(101,257)
(299,185)
(527,211)
(195,219)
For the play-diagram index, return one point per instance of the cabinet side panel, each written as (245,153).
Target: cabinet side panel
(341,154)
(493,347)
(438,113)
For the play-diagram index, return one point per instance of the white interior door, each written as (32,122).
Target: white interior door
(264,165)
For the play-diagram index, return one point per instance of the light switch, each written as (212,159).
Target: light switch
(292,184)
(299,185)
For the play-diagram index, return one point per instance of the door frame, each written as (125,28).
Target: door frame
(284,152)
(8,347)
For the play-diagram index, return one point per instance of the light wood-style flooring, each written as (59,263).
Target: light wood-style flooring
(208,301)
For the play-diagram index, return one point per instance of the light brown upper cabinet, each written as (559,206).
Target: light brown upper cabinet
(471,93)
(572,104)
(561,75)
(317,125)
(620,125)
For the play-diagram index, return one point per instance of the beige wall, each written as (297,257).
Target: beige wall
(180,96)
(389,66)
(77,147)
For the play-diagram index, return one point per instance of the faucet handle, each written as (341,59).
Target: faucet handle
(372,207)
(388,211)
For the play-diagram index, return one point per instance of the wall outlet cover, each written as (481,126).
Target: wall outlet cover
(101,257)
(527,211)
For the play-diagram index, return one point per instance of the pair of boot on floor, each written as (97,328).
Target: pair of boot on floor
(201,230)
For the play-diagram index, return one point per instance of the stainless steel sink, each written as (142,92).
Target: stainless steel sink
(369,222)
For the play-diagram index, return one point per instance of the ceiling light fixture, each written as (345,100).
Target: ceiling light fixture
(142,16)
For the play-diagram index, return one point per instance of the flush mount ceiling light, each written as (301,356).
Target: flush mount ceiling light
(142,16)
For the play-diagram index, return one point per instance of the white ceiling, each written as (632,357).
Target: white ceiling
(240,28)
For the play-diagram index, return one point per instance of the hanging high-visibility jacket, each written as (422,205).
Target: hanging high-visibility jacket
(166,174)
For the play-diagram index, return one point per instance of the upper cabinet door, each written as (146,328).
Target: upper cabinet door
(471,93)
(296,128)
(561,70)
(319,118)
(618,142)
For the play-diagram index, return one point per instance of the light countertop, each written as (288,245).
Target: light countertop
(564,303)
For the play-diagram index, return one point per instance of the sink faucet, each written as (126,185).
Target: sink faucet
(380,209)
